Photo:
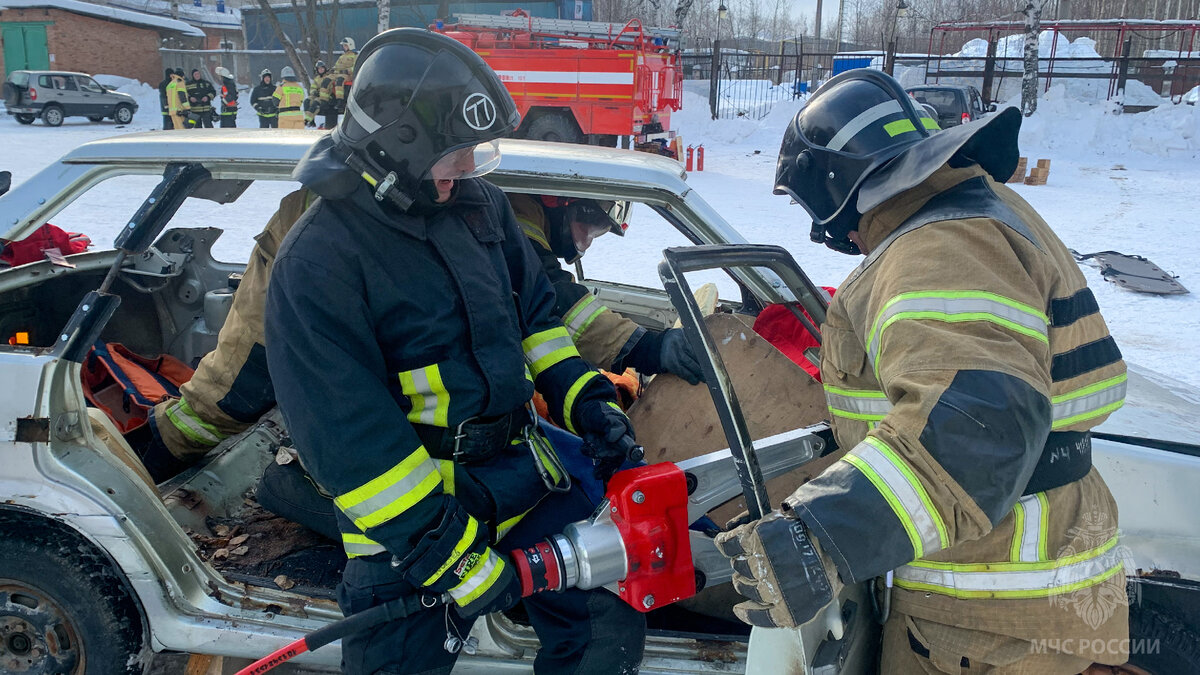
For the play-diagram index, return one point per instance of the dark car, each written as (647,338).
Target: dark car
(57,95)
(954,104)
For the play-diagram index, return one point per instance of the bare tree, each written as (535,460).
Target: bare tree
(385,15)
(311,31)
(1029,80)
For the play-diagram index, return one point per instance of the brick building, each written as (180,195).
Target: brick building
(77,36)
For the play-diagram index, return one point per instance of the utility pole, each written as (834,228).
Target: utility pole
(841,14)
(817,25)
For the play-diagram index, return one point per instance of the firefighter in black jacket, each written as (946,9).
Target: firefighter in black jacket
(262,97)
(408,322)
(200,94)
(229,98)
(162,100)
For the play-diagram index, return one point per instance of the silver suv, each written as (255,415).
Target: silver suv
(57,95)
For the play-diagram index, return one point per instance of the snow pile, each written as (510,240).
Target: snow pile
(1066,124)
(145,95)
(694,122)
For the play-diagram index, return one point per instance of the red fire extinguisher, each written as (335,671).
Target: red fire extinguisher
(700,157)
(690,151)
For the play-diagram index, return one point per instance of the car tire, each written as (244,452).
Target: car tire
(556,127)
(64,610)
(53,116)
(95,118)
(123,114)
(1165,643)
(25,118)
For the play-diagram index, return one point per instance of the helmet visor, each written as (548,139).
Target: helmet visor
(589,219)
(466,162)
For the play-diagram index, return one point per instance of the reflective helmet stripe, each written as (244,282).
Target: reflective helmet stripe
(864,120)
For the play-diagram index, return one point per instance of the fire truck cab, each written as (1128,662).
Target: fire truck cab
(580,81)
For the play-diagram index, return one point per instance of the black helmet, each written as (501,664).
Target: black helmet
(265,72)
(573,223)
(318,65)
(419,96)
(861,139)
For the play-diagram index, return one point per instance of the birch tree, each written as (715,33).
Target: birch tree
(385,15)
(1029,80)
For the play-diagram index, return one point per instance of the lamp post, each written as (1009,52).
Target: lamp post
(889,62)
(714,82)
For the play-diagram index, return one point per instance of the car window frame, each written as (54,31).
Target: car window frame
(81,81)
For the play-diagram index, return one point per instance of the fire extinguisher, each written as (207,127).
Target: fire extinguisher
(690,151)
(700,157)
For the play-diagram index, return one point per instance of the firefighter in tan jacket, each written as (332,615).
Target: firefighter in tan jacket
(964,362)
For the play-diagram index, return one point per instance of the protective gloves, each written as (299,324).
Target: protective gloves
(504,592)
(664,352)
(607,436)
(780,569)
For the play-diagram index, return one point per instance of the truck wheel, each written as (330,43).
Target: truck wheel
(52,115)
(64,610)
(123,114)
(26,118)
(95,118)
(553,127)
(1162,643)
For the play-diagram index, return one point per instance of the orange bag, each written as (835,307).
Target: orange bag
(126,386)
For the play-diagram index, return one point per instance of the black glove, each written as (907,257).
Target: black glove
(607,437)
(778,568)
(665,352)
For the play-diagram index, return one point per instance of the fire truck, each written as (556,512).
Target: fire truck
(580,81)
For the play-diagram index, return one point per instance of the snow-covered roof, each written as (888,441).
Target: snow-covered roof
(205,16)
(111,13)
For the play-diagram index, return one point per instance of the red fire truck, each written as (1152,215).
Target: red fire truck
(580,81)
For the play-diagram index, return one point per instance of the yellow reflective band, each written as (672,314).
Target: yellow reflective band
(548,348)
(446,470)
(930,124)
(460,549)
(857,404)
(1015,580)
(956,307)
(899,127)
(357,545)
(428,395)
(582,315)
(1088,402)
(477,582)
(392,493)
(903,491)
(503,528)
(190,424)
(534,232)
(1031,525)
(572,393)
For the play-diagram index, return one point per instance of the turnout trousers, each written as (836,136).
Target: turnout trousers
(582,632)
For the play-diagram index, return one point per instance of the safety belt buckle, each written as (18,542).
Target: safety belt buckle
(459,434)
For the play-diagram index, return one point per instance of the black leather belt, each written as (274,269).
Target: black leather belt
(1066,458)
(289,109)
(476,439)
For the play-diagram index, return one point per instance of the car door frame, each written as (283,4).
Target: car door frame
(92,102)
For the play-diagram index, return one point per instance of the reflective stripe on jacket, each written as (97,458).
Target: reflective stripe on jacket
(177,100)
(948,359)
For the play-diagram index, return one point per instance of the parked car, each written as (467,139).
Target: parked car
(111,566)
(954,104)
(56,95)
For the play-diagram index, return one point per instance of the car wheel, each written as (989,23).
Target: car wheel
(553,127)
(95,118)
(53,116)
(123,114)
(64,610)
(26,118)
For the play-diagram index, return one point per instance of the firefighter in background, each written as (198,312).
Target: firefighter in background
(964,362)
(409,324)
(177,100)
(561,230)
(229,98)
(289,100)
(200,95)
(320,98)
(262,97)
(343,73)
(162,99)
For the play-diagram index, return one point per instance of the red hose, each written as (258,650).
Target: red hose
(275,658)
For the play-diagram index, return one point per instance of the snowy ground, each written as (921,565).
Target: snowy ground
(1125,183)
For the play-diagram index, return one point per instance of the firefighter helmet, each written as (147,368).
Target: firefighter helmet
(348,43)
(861,139)
(287,73)
(318,65)
(573,223)
(222,71)
(423,106)
(265,72)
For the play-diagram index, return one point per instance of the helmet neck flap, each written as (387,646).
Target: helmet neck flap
(418,96)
